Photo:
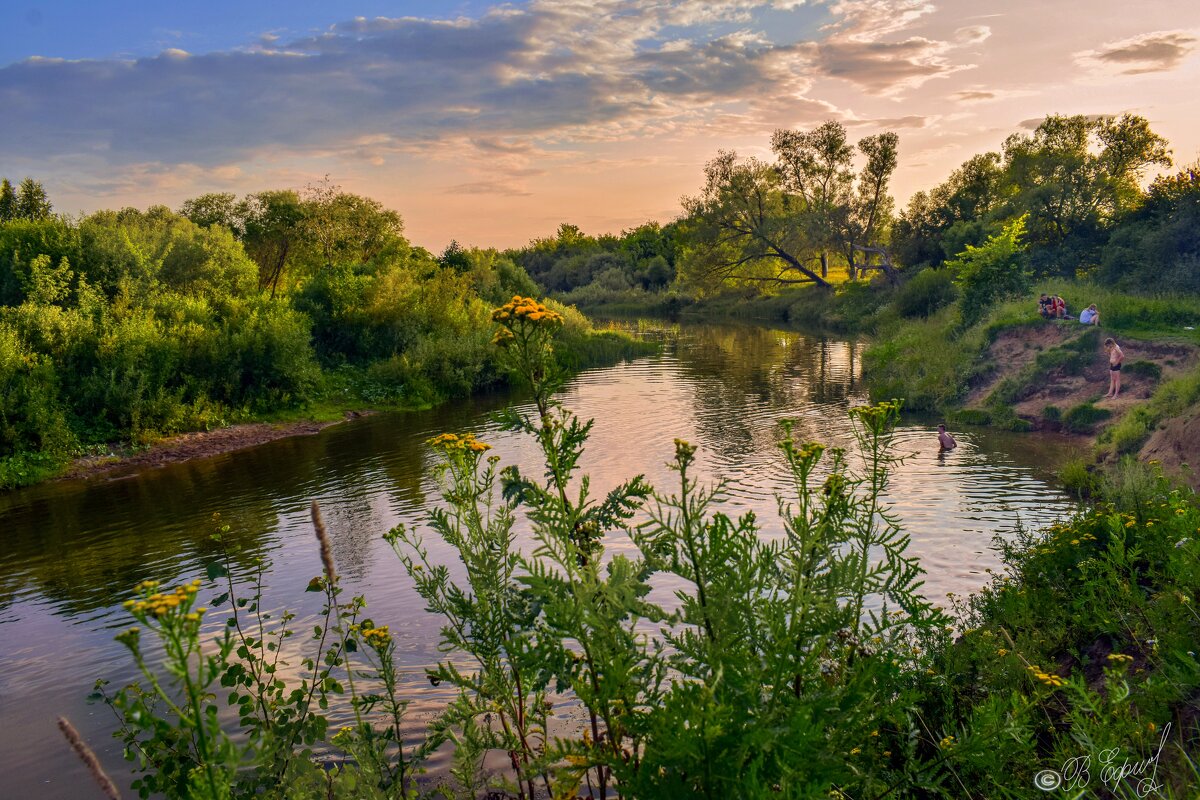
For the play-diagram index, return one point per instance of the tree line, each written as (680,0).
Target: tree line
(123,325)
(810,216)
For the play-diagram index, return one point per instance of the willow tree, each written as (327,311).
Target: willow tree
(816,169)
(744,228)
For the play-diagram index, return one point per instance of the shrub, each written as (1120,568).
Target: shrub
(1084,417)
(1144,369)
(925,293)
(1079,478)
(991,272)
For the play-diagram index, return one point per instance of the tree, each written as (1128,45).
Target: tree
(993,271)
(217,208)
(1158,244)
(348,228)
(1074,176)
(274,226)
(941,222)
(455,257)
(838,216)
(32,202)
(8,201)
(869,214)
(743,227)
(815,166)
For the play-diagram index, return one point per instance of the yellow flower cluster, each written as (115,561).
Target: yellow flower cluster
(159,603)
(453,442)
(526,309)
(1047,678)
(378,638)
(947,743)
(1119,658)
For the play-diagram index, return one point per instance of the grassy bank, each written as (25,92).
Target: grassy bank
(933,361)
(849,308)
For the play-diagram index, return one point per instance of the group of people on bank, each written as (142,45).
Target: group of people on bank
(1054,307)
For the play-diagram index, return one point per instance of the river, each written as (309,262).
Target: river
(72,551)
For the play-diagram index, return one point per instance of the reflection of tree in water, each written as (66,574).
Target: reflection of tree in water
(84,545)
(85,548)
(742,376)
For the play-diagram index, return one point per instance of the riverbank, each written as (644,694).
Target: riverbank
(350,394)
(124,460)
(848,308)
(1016,371)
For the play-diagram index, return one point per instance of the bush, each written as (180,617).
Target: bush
(925,293)
(1084,417)
(1079,478)
(1143,369)
(991,272)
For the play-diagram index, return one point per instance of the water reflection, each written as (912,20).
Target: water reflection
(73,550)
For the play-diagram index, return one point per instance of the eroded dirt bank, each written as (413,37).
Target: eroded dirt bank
(199,444)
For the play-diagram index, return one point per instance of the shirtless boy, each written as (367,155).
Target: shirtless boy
(945,440)
(1115,357)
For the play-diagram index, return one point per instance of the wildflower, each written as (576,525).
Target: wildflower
(947,742)
(856,751)
(1002,652)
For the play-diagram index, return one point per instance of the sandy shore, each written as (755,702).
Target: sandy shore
(199,444)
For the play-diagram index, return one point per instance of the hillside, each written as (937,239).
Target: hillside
(1053,376)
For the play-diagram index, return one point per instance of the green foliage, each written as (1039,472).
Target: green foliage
(125,326)
(927,362)
(767,635)
(1079,478)
(1083,645)
(1143,369)
(171,719)
(1084,417)
(925,293)
(993,271)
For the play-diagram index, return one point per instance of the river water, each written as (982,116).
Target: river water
(73,550)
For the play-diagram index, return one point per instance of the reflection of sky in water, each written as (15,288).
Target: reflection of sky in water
(73,550)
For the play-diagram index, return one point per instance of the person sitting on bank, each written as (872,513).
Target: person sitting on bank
(1090,315)
(945,440)
(1046,306)
(1058,307)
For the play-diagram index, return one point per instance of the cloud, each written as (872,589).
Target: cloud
(1160,51)
(973,95)
(858,50)
(367,88)
(488,187)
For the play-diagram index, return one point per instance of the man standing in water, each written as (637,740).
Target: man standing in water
(1115,357)
(945,441)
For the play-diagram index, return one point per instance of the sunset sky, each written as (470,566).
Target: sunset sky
(492,123)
